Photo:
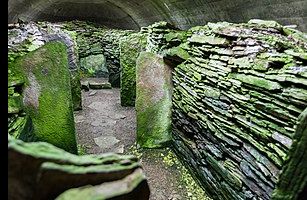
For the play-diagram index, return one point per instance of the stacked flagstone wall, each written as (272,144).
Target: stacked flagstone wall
(239,93)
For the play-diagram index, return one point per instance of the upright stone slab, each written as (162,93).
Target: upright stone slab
(130,48)
(46,95)
(287,186)
(153,101)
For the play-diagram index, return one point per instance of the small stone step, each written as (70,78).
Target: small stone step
(100,85)
(85,85)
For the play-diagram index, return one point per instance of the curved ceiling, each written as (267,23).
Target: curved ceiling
(133,14)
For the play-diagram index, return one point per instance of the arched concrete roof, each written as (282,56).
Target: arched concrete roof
(132,14)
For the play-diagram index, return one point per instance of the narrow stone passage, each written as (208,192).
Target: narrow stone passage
(105,126)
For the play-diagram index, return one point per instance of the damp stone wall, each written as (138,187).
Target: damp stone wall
(239,95)
(95,40)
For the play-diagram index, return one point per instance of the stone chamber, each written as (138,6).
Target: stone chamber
(212,92)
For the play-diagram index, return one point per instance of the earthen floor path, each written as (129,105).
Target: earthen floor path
(103,125)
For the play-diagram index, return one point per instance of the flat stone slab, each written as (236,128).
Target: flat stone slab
(106,142)
(96,83)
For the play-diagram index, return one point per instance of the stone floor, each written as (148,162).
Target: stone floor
(105,126)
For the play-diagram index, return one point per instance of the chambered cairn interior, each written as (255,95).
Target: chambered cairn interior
(157,99)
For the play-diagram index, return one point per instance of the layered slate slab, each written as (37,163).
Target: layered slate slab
(39,170)
(153,100)
(134,186)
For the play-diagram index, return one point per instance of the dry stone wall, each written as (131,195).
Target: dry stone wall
(93,39)
(239,90)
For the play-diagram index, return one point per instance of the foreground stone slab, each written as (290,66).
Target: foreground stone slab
(153,100)
(134,186)
(42,171)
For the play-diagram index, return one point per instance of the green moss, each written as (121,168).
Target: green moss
(193,189)
(130,47)
(52,116)
(76,90)
(81,149)
(153,127)
(153,105)
(256,81)
(178,51)
(289,188)
(15,104)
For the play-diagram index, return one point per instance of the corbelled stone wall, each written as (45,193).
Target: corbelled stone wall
(133,14)
(238,100)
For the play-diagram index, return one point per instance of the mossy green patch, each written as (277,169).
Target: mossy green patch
(15,104)
(47,94)
(256,81)
(130,47)
(153,127)
(153,101)
(76,90)
(193,189)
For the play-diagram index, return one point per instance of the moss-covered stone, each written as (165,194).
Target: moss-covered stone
(133,187)
(47,94)
(130,47)
(256,81)
(15,104)
(75,83)
(153,101)
(293,179)
(94,39)
(34,166)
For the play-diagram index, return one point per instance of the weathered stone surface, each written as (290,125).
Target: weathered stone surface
(293,179)
(130,48)
(133,187)
(99,85)
(46,94)
(27,37)
(130,14)
(34,167)
(153,100)
(93,39)
(238,94)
